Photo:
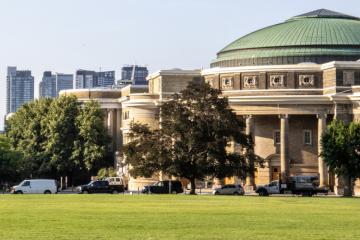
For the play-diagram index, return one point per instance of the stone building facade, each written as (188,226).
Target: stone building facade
(286,82)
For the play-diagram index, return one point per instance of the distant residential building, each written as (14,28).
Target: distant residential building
(134,73)
(52,84)
(47,85)
(92,79)
(85,79)
(63,82)
(105,79)
(19,88)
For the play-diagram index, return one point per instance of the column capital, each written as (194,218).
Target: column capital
(283,115)
(248,116)
(321,115)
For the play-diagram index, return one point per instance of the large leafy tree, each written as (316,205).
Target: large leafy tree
(11,162)
(25,130)
(341,152)
(61,134)
(59,137)
(148,150)
(197,127)
(92,140)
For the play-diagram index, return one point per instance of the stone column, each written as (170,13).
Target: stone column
(105,111)
(250,181)
(110,123)
(110,128)
(249,124)
(118,129)
(341,112)
(284,144)
(323,172)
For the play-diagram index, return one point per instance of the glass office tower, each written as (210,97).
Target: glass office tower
(20,88)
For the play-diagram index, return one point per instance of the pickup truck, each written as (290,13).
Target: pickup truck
(299,185)
(117,181)
(100,186)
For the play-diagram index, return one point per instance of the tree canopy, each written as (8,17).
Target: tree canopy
(106,172)
(59,137)
(11,162)
(196,130)
(341,151)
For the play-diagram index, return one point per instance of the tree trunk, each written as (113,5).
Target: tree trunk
(348,186)
(192,184)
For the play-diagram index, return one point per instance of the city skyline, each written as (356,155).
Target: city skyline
(136,36)
(103,78)
(52,83)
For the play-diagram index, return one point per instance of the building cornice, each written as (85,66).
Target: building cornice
(281,99)
(100,100)
(341,64)
(264,68)
(140,103)
(105,103)
(275,90)
(174,72)
(284,68)
(123,99)
(69,91)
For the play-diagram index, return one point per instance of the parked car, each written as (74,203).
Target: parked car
(40,186)
(100,186)
(163,187)
(300,185)
(229,189)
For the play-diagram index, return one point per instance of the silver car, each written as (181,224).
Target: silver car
(229,189)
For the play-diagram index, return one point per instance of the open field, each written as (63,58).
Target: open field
(177,217)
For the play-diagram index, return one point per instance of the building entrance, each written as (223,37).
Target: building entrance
(275,173)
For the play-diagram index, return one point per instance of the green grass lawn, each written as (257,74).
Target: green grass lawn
(177,217)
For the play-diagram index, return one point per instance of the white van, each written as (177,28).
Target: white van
(40,186)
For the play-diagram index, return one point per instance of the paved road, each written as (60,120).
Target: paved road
(198,191)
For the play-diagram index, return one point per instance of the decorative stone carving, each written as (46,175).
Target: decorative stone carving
(227,82)
(348,78)
(250,82)
(277,81)
(306,81)
(210,82)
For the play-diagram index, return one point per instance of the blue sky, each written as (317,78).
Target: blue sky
(65,35)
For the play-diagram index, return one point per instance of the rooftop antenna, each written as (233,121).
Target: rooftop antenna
(133,74)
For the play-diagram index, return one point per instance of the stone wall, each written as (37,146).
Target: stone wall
(175,83)
(303,158)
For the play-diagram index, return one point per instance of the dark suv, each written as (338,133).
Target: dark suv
(100,186)
(163,187)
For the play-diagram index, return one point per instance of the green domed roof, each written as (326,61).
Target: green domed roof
(317,36)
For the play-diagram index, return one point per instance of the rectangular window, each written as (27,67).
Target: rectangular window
(126,115)
(348,78)
(307,137)
(277,139)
